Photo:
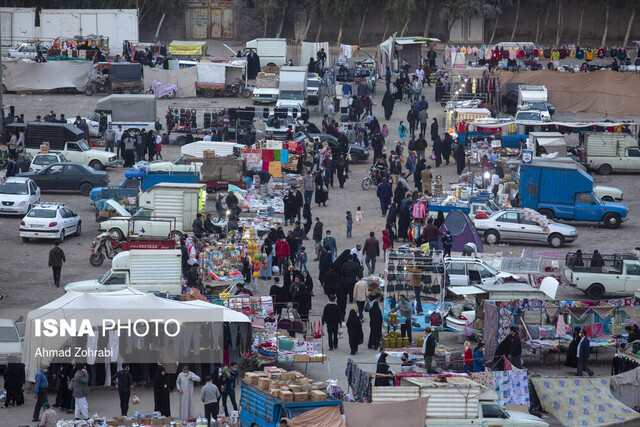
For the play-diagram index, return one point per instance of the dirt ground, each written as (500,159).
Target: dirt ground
(27,282)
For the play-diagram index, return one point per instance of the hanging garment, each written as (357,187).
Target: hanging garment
(561,327)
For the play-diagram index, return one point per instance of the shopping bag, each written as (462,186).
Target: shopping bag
(135,399)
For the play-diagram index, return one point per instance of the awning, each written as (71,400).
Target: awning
(466,290)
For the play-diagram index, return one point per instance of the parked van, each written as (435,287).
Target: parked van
(611,152)
(146,270)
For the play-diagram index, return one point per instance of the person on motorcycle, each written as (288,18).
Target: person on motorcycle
(379,169)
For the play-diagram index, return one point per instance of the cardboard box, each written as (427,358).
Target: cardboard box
(209,154)
(288,376)
(318,396)
(264,383)
(295,388)
(300,396)
(271,69)
(286,396)
(300,357)
(319,385)
(251,378)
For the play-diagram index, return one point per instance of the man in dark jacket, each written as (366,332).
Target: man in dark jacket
(331,317)
(371,251)
(280,295)
(56,259)
(431,234)
(232,205)
(583,354)
(377,143)
(428,350)
(197,226)
(421,146)
(124,379)
(317,237)
(298,202)
(384,193)
(515,354)
(192,276)
(350,272)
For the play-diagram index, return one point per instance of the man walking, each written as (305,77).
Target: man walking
(423,116)
(331,243)
(428,350)
(405,309)
(583,354)
(80,393)
(317,237)
(371,251)
(515,354)
(350,272)
(109,139)
(360,295)
(184,385)
(119,143)
(384,193)
(56,259)
(307,186)
(210,395)
(40,391)
(124,380)
(331,317)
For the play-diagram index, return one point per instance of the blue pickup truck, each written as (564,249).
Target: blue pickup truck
(140,180)
(564,190)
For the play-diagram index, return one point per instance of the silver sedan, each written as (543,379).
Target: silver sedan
(524,225)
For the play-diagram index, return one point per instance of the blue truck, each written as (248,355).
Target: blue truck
(139,180)
(564,190)
(258,407)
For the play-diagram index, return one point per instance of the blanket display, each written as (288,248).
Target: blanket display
(581,401)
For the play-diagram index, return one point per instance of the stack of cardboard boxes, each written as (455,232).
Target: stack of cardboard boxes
(286,386)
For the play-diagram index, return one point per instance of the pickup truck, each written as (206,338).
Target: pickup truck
(617,274)
(469,270)
(611,152)
(132,185)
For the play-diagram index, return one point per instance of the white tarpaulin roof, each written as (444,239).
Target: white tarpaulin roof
(46,76)
(124,305)
(211,73)
(184,78)
(309,50)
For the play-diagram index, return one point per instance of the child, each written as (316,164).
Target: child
(158,147)
(359,215)
(349,223)
(468,358)
(384,131)
(447,243)
(303,259)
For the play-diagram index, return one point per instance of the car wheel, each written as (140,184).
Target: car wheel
(595,291)
(175,235)
(209,93)
(354,158)
(89,90)
(611,220)
(79,228)
(61,238)
(556,240)
(607,199)
(492,237)
(25,239)
(366,183)
(116,233)
(605,169)
(546,212)
(96,260)
(85,188)
(96,164)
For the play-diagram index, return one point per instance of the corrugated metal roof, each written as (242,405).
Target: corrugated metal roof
(394,394)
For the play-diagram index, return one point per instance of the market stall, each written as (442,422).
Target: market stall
(180,49)
(79,47)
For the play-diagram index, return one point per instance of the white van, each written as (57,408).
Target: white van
(146,270)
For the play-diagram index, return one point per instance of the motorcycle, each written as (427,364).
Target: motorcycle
(104,245)
(238,87)
(373,178)
(162,90)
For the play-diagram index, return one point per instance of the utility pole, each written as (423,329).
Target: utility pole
(1,93)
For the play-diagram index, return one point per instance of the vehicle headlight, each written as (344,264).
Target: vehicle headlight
(366,151)
(574,233)
(22,203)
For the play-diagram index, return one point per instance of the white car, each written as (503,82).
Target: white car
(608,194)
(50,221)
(42,160)
(18,195)
(27,51)
(11,340)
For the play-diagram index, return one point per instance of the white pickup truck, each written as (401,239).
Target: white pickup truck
(617,274)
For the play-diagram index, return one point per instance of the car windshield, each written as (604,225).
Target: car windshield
(297,96)
(528,115)
(541,106)
(94,117)
(14,188)
(8,334)
(313,83)
(492,206)
(83,145)
(42,213)
(492,270)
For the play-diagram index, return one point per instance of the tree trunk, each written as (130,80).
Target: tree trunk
(535,40)
(266,24)
(406,25)
(319,30)
(384,36)
(284,16)
(306,30)
(449,27)
(155,38)
(515,23)
(606,25)
(559,23)
(544,26)
(364,15)
(495,26)
(340,34)
(427,22)
(629,25)
(580,23)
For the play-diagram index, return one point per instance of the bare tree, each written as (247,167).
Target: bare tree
(427,21)
(559,24)
(606,23)
(584,7)
(635,4)
(453,10)
(515,21)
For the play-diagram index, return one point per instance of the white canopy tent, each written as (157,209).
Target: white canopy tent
(124,305)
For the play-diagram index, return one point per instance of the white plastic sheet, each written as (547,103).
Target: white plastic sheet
(46,76)
(184,78)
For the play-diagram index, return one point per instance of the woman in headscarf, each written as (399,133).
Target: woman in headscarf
(437,150)
(303,298)
(399,194)
(388,103)
(391,221)
(434,129)
(417,175)
(308,281)
(308,220)
(161,393)
(289,208)
(341,170)
(382,368)
(375,323)
(446,147)
(405,218)
(572,351)
(265,268)
(439,220)
(354,328)
(596,259)
(460,159)
(311,67)
(321,195)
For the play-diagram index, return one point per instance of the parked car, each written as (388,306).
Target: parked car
(458,315)
(608,194)
(524,225)
(68,176)
(358,153)
(28,51)
(40,161)
(11,340)
(50,221)
(313,90)
(18,195)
